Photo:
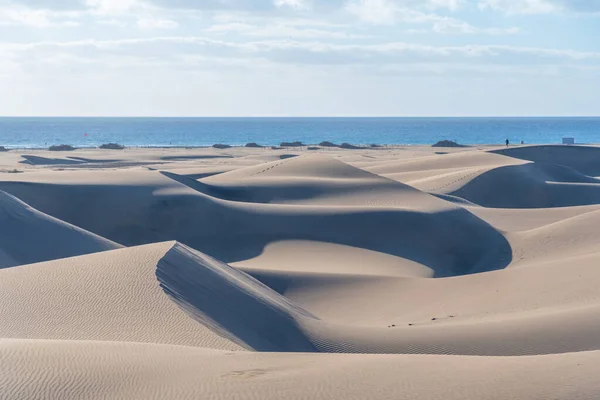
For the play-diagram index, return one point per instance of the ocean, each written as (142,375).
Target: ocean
(41,132)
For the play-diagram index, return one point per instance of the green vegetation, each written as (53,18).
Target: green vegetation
(112,146)
(61,147)
(447,143)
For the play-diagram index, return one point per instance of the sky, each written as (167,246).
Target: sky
(299,57)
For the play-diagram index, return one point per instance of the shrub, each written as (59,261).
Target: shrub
(2,148)
(313,148)
(254,145)
(447,143)
(374,145)
(349,146)
(291,144)
(221,146)
(276,148)
(328,144)
(112,146)
(61,147)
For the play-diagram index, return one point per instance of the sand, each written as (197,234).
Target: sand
(399,272)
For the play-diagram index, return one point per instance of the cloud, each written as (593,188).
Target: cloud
(163,14)
(152,23)
(449,4)
(62,5)
(388,12)
(306,53)
(452,26)
(279,29)
(540,6)
(113,6)
(374,11)
(519,6)
(295,4)
(37,18)
(374,8)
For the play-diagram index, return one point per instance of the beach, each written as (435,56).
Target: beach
(404,272)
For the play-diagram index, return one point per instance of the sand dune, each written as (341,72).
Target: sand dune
(112,296)
(245,311)
(307,256)
(313,179)
(585,159)
(522,219)
(416,302)
(462,159)
(97,370)
(134,295)
(246,268)
(149,206)
(531,185)
(28,236)
(567,238)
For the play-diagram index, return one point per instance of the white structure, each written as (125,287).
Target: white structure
(568,140)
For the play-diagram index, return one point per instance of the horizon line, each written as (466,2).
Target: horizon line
(298,116)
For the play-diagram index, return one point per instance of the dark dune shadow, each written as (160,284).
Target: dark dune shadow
(585,159)
(28,236)
(91,160)
(203,175)
(80,162)
(531,185)
(210,190)
(249,194)
(284,281)
(453,242)
(36,160)
(183,158)
(260,319)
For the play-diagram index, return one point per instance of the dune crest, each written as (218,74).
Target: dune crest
(231,302)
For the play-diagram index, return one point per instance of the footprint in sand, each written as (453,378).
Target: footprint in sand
(246,374)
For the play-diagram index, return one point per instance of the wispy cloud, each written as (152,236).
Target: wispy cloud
(154,23)
(540,6)
(390,12)
(355,54)
(314,52)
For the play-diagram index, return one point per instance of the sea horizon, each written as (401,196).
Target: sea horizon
(158,131)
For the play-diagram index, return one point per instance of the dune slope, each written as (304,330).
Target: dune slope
(585,159)
(244,310)
(100,370)
(532,185)
(28,236)
(112,296)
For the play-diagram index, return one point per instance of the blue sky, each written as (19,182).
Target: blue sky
(299,57)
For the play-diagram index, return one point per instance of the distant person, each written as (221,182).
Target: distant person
(522,142)
(507,142)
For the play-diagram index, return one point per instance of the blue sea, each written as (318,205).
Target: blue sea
(16,132)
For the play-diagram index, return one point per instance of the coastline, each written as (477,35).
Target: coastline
(304,147)
(204,132)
